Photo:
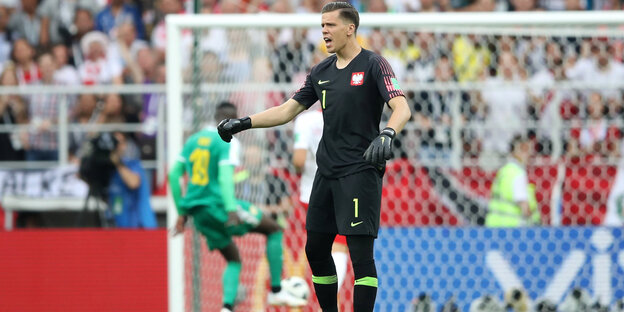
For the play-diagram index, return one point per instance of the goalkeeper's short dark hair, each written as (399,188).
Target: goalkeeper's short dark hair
(347,11)
(226,110)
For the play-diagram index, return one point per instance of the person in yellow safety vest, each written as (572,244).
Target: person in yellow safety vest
(513,201)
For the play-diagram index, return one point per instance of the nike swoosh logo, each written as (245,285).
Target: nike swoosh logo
(356,223)
(322,81)
(383,140)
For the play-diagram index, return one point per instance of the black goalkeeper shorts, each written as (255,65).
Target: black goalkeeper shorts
(348,205)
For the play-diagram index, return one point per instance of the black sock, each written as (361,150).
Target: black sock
(228,306)
(325,284)
(276,289)
(318,250)
(365,289)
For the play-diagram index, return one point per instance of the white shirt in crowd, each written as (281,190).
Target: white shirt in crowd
(507,107)
(587,69)
(308,132)
(101,71)
(67,76)
(520,185)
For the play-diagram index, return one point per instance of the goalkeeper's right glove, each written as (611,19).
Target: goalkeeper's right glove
(228,127)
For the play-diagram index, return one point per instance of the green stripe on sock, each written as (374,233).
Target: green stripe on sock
(366,281)
(325,280)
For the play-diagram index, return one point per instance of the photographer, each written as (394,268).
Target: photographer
(129,190)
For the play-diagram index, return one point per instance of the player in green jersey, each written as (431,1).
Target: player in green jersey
(217,214)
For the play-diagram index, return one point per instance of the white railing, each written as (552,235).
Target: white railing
(63,126)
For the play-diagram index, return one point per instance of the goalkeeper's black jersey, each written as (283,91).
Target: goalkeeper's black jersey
(352,100)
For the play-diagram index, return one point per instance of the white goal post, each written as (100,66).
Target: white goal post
(175,85)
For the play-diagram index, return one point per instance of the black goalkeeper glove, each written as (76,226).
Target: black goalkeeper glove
(380,149)
(228,127)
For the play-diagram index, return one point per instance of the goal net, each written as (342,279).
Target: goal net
(474,82)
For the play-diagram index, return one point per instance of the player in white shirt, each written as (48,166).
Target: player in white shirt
(308,132)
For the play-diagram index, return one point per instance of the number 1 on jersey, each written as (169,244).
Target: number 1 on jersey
(323,101)
(356,204)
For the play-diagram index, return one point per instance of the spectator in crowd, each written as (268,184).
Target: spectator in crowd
(546,102)
(57,19)
(506,103)
(5,40)
(251,100)
(237,59)
(513,201)
(470,57)
(151,103)
(524,5)
(428,6)
(98,67)
(421,66)
(432,114)
(26,23)
(596,137)
(292,58)
(43,142)
(83,21)
(83,113)
(598,67)
(11,106)
(129,191)
(124,51)
(159,33)
(376,6)
(116,13)
(398,51)
(26,68)
(281,6)
(112,111)
(65,73)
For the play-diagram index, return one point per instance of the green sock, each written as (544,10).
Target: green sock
(231,275)
(274,256)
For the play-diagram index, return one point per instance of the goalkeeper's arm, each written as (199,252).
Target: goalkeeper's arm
(271,117)
(277,115)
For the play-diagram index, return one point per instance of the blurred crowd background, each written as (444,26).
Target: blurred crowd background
(518,79)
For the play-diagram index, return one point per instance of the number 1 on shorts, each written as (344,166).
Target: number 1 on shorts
(355,203)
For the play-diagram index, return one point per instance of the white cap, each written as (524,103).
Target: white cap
(90,37)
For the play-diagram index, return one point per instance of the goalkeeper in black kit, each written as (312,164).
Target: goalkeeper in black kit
(352,85)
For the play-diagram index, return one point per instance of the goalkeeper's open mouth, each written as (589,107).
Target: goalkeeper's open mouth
(328,42)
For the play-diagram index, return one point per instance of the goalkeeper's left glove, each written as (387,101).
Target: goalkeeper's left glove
(380,149)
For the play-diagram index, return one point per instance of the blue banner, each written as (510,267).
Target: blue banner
(468,263)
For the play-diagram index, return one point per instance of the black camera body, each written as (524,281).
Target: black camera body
(96,167)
